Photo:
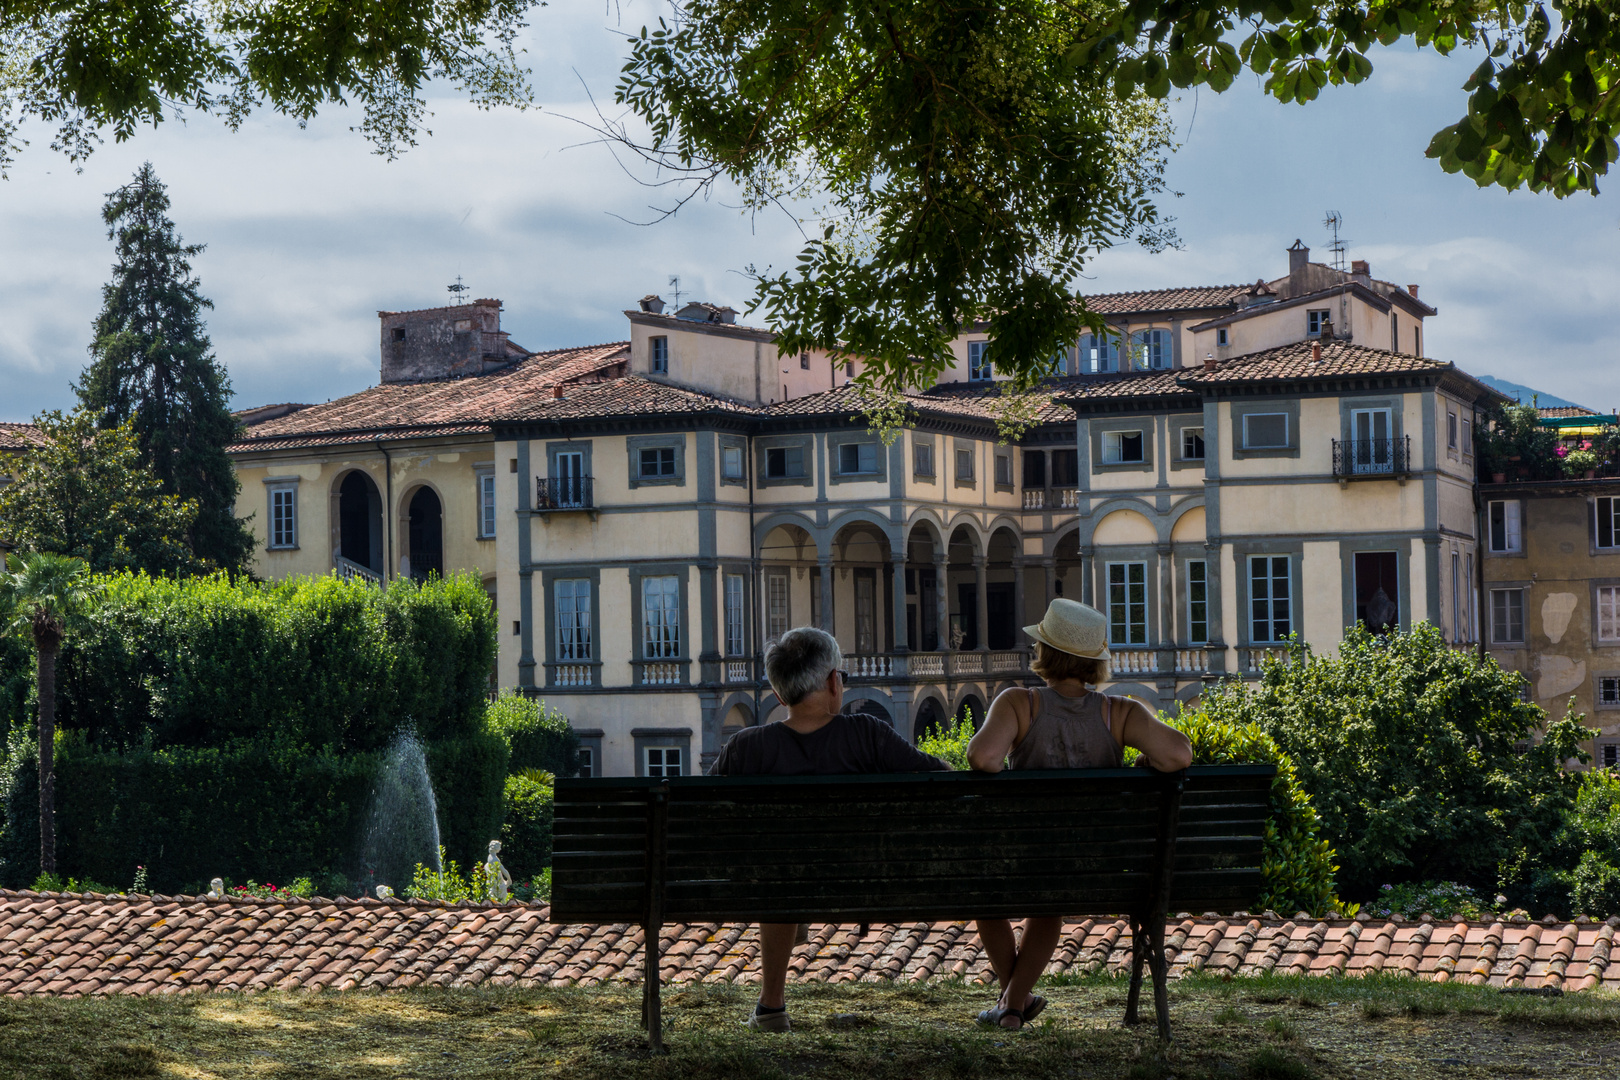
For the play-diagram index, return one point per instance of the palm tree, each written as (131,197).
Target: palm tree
(45,594)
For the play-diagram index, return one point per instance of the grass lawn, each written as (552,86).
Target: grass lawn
(1266,1029)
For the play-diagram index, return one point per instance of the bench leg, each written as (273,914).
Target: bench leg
(652,1004)
(1138,957)
(1161,992)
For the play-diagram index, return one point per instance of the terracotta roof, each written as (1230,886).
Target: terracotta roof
(19,437)
(1191,298)
(1563,412)
(631,395)
(1295,361)
(60,945)
(445,406)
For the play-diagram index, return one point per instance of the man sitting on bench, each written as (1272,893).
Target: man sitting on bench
(816,739)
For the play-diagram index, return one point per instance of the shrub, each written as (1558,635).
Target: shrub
(447,886)
(526,835)
(1439,898)
(299,889)
(540,738)
(1410,752)
(1297,866)
(949,741)
(1580,871)
(53,883)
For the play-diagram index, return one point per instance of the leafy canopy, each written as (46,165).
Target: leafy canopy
(43,595)
(88,66)
(153,367)
(1414,756)
(84,492)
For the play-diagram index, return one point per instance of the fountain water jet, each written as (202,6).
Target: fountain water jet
(402,820)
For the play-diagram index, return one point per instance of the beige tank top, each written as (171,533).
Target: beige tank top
(1067,733)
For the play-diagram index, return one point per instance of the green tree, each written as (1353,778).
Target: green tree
(1414,756)
(153,368)
(44,595)
(86,66)
(84,492)
(1579,871)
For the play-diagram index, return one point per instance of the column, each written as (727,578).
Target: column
(824,564)
(982,585)
(942,598)
(1049,572)
(1088,573)
(897,559)
(1019,614)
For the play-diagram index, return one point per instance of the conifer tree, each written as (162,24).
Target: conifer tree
(153,364)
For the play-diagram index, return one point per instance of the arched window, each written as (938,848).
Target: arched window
(1150,350)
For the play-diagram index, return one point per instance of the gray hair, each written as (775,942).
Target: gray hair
(798,662)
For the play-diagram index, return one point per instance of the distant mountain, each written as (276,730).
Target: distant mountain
(1526,394)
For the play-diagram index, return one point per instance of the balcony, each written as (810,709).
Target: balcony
(1372,459)
(564,493)
(1055,498)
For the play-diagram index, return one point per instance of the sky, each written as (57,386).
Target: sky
(309,234)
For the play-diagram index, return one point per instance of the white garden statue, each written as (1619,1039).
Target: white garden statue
(216,889)
(384,893)
(500,882)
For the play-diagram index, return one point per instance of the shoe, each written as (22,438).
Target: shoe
(775,1023)
(1036,1006)
(993,1018)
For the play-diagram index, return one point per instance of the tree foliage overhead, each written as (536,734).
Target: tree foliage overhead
(965,172)
(89,66)
(85,493)
(153,369)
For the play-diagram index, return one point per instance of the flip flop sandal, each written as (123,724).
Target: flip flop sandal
(993,1018)
(1036,1006)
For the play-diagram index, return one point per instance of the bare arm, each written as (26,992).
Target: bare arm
(1166,749)
(1009,715)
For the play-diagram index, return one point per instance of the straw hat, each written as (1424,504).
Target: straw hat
(1073,627)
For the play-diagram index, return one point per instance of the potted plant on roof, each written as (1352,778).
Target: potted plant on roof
(1583,460)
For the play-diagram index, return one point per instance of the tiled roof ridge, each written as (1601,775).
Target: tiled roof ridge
(1166,289)
(68,945)
(511,365)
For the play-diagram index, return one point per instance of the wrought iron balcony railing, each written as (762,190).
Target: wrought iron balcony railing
(564,493)
(1371,458)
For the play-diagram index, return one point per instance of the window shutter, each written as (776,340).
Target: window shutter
(1605,523)
(1510,515)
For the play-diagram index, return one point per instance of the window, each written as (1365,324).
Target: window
(1222,337)
(964,464)
(1262,431)
(1451,430)
(1608,609)
(734,615)
(587,762)
(1378,590)
(1417,341)
(1150,349)
(1503,515)
(399,333)
(1127,603)
(661,761)
(1470,616)
(1034,469)
(1608,755)
(1004,470)
(1507,616)
(1608,695)
(570,485)
(1197,602)
(849,369)
(1318,323)
(804,361)
(857,458)
(573,600)
(1192,444)
(1456,597)
(660,618)
(1065,468)
(1270,598)
(776,604)
(1608,522)
(658,349)
(1467,437)
(1099,353)
(979,367)
(284,517)
(1121,447)
(1394,332)
(784,461)
(486,504)
(731,462)
(922,459)
(658,461)
(865,610)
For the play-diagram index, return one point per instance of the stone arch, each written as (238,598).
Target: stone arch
(1100,512)
(420,530)
(1011,524)
(968,524)
(1124,526)
(879,703)
(973,699)
(357,520)
(929,714)
(878,523)
(1188,525)
(742,701)
(789,518)
(1147,695)
(931,525)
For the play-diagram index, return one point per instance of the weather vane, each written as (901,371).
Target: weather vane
(457,289)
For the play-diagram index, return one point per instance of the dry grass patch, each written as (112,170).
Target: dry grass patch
(1243,1029)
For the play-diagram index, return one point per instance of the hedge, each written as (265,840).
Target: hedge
(314,661)
(269,811)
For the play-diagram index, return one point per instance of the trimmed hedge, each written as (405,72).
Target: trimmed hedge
(530,818)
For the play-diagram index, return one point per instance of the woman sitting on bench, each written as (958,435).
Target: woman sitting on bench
(1062,725)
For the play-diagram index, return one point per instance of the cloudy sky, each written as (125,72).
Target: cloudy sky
(309,234)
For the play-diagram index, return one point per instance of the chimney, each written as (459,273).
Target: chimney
(557,391)
(1209,361)
(652,304)
(1413,290)
(1299,256)
(1316,352)
(1360,267)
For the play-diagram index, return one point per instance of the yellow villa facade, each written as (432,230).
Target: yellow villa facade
(646,514)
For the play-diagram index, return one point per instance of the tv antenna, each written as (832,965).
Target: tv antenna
(1333,220)
(458,289)
(675,284)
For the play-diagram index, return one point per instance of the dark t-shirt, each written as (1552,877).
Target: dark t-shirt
(848,743)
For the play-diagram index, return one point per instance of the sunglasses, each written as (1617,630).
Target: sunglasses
(843,678)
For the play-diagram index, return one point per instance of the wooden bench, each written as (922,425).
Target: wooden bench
(917,846)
